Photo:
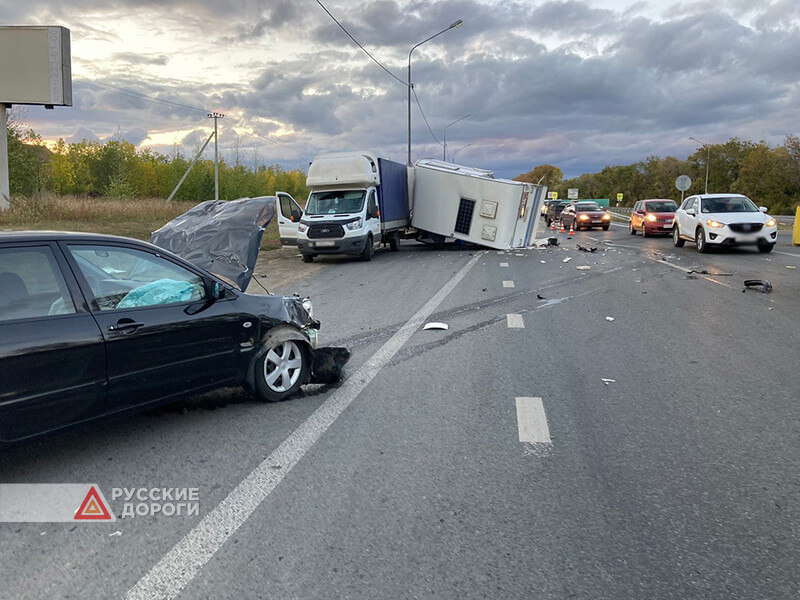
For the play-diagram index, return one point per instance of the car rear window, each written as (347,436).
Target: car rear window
(31,285)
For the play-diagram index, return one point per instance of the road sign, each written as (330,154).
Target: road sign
(552,195)
(683,183)
(572,193)
(619,197)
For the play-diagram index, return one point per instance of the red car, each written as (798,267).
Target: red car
(585,214)
(653,217)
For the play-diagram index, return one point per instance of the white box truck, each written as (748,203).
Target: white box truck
(357,200)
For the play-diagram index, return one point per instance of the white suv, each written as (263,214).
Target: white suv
(724,220)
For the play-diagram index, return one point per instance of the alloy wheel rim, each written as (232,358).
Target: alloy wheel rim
(282,366)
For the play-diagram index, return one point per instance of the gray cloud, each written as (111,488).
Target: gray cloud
(562,81)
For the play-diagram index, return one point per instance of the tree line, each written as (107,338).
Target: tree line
(769,175)
(117,169)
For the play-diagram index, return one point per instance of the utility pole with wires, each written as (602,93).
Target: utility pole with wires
(216,116)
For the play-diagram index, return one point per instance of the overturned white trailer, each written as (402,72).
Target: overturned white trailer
(469,204)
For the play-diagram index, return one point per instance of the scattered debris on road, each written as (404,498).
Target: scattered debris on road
(790,267)
(607,381)
(116,533)
(584,249)
(762,286)
(566,260)
(583,267)
(441,326)
(329,364)
(610,319)
(540,297)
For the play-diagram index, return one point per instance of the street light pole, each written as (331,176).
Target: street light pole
(215,116)
(453,25)
(708,157)
(444,150)
(453,158)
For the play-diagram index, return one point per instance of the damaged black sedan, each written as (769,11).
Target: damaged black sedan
(94,326)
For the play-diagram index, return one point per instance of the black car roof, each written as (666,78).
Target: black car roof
(49,236)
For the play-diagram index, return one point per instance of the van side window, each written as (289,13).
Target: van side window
(373,203)
(31,284)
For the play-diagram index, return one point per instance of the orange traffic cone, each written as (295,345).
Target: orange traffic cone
(552,225)
(572,230)
(562,230)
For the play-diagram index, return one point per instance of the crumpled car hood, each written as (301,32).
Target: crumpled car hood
(220,236)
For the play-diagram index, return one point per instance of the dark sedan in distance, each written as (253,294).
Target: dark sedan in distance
(93,326)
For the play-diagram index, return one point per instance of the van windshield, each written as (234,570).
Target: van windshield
(335,203)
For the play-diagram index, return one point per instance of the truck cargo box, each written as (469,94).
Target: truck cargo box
(393,194)
(471,205)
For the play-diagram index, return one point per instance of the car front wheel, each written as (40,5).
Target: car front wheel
(700,241)
(282,370)
(765,248)
(677,240)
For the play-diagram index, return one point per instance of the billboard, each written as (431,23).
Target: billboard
(36,65)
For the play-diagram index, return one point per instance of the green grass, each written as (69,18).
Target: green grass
(130,217)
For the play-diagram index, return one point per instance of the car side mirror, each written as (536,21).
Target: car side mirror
(691,212)
(763,209)
(214,290)
(640,212)
(295,216)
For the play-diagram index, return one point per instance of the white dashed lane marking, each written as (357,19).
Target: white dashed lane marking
(532,422)
(515,321)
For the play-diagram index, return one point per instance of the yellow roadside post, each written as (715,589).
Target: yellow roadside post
(796,231)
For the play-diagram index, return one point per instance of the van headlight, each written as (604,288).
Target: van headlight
(302,227)
(354,224)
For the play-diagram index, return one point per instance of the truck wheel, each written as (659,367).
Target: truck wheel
(308,257)
(394,242)
(366,254)
(282,370)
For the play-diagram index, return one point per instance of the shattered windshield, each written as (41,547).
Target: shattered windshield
(335,203)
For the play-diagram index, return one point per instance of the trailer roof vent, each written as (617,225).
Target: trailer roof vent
(464,219)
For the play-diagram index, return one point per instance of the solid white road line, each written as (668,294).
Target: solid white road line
(786,253)
(185,560)
(503,264)
(532,422)
(508,284)
(515,322)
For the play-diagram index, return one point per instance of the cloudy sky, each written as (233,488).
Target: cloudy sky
(577,83)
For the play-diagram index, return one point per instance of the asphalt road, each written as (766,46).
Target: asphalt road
(678,479)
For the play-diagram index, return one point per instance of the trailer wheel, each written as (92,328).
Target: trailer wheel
(394,242)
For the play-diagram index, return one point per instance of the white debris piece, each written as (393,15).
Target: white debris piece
(115,534)
(609,319)
(436,326)
(583,268)
(790,267)
(607,381)
(566,260)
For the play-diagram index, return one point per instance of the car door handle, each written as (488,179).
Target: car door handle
(125,325)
